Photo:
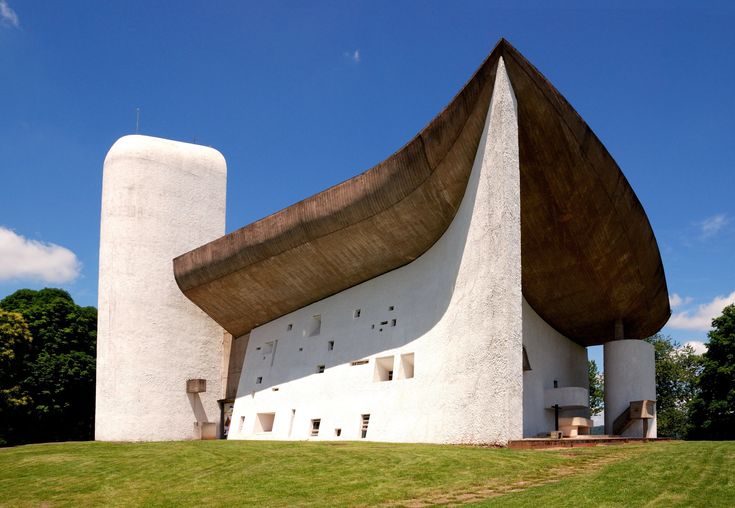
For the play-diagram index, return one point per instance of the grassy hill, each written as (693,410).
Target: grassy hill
(221,473)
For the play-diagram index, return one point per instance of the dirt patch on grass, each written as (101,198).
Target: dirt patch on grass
(578,464)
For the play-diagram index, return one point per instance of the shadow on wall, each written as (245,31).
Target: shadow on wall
(197,407)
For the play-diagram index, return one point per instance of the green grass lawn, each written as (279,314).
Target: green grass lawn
(219,473)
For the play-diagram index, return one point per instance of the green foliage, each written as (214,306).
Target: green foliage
(56,370)
(15,342)
(677,368)
(713,412)
(597,390)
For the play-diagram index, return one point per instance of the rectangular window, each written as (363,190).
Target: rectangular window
(320,369)
(315,427)
(364,426)
(383,369)
(289,327)
(337,432)
(392,308)
(258,380)
(357,313)
(330,345)
(393,322)
(264,422)
(406,368)
(359,362)
(315,327)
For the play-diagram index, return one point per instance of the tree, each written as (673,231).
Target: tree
(713,411)
(57,372)
(677,368)
(596,391)
(15,341)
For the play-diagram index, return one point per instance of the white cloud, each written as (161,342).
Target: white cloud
(352,55)
(698,346)
(677,301)
(712,225)
(8,15)
(701,318)
(21,258)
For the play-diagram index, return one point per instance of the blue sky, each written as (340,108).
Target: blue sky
(299,96)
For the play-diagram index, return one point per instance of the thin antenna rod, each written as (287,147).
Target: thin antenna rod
(137,120)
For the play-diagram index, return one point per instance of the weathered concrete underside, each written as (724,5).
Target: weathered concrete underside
(589,256)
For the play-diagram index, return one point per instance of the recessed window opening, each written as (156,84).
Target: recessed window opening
(393,322)
(275,389)
(330,345)
(315,427)
(289,327)
(372,326)
(383,323)
(319,369)
(301,349)
(357,313)
(392,308)
(406,368)
(258,380)
(315,327)
(358,362)
(264,422)
(364,425)
(242,424)
(337,432)
(526,363)
(383,369)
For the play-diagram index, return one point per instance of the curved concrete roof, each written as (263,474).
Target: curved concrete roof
(589,256)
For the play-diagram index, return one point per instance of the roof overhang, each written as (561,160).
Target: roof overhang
(589,255)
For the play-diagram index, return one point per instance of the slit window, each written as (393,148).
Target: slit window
(330,345)
(364,426)
(264,422)
(383,369)
(526,363)
(393,322)
(315,427)
(358,362)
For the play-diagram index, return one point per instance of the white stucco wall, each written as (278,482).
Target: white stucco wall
(458,310)
(160,198)
(630,375)
(552,357)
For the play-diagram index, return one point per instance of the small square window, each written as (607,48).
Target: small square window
(320,369)
(392,308)
(289,327)
(393,322)
(258,380)
(357,313)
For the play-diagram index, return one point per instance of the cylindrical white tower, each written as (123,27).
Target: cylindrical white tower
(160,198)
(630,375)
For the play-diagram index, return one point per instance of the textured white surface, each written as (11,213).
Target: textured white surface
(630,374)
(458,309)
(160,198)
(552,357)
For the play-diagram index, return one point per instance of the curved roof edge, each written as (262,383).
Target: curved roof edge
(392,213)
